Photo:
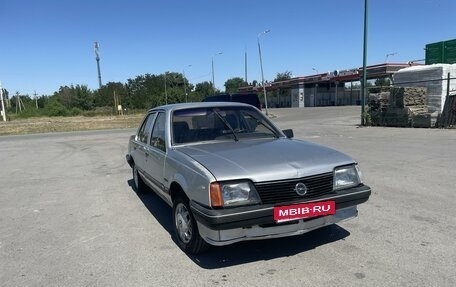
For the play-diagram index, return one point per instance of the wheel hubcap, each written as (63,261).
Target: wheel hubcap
(183,223)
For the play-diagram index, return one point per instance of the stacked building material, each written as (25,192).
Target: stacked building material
(400,107)
(379,101)
(433,78)
(396,117)
(420,117)
(408,96)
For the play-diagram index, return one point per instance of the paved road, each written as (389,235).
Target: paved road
(69,216)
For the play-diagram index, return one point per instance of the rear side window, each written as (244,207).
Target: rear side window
(144,131)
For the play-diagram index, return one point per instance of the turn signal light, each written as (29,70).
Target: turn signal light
(216,195)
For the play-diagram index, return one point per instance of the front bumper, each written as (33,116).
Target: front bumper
(226,226)
(256,232)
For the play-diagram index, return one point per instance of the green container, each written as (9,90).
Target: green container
(434,53)
(449,52)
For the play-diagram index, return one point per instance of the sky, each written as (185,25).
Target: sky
(49,43)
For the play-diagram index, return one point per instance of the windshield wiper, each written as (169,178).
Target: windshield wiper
(266,126)
(226,124)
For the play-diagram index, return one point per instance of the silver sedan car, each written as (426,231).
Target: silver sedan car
(231,175)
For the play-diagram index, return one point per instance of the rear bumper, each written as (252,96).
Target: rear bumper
(226,226)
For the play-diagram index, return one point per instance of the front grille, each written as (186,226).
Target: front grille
(272,192)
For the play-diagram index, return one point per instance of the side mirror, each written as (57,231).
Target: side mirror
(288,133)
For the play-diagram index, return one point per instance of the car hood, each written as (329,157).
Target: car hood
(265,159)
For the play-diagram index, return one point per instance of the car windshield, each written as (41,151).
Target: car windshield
(220,123)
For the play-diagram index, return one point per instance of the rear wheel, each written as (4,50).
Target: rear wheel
(186,228)
(140,186)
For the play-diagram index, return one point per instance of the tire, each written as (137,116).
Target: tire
(140,186)
(186,229)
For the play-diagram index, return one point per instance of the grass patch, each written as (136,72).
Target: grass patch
(68,124)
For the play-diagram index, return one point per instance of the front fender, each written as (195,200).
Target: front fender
(194,178)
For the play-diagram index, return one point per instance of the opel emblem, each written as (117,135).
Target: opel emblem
(301,189)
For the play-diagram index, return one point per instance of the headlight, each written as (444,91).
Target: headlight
(233,194)
(347,176)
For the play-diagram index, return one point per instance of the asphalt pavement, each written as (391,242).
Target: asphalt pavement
(70,217)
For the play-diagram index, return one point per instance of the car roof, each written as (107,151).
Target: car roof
(173,107)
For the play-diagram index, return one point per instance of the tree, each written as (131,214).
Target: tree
(42,100)
(145,91)
(54,108)
(232,85)
(78,96)
(202,90)
(283,76)
(83,97)
(104,97)
(175,87)
(381,82)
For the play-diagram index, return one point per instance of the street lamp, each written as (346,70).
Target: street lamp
(183,78)
(262,74)
(213,79)
(389,54)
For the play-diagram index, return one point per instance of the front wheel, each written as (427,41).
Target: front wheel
(186,229)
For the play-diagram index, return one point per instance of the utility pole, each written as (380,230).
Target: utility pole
(18,104)
(97,47)
(166,93)
(185,87)
(3,105)
(262,75)
(115,103)
(36,99)
(21,103)
(119,102)
(364,79)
